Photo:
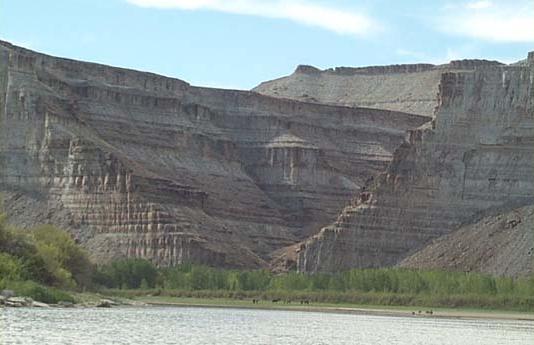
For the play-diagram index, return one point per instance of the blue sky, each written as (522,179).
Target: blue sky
(239,43)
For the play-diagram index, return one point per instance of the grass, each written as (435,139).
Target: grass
(339,300)
(39,292)
(337,307)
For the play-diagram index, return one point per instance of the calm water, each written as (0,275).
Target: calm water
(165,325)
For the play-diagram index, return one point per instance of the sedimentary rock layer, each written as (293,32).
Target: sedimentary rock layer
(409,88)
(498,245)
(136,164)
(476,159)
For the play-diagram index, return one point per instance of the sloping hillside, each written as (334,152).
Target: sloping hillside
(409,88)
(499,245)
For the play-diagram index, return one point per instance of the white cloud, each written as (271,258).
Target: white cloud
(422,57)
(477,5)
(466,51)
(504,21)
(300,11)
(417,55)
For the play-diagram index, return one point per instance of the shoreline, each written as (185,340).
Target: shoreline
(225,303)
(399,311)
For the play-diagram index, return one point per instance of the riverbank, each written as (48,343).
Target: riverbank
(401,311)
(89,300)
(508,302)
(10,299)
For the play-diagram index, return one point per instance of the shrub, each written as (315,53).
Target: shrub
(48,255)
(11,268)
(38,292)
(67,261)
(127,274)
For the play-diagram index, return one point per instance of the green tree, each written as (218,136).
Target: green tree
(68,262)
(127,274)
(11,268)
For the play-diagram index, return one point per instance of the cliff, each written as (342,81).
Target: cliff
(135,164)
(474,161)
(410,88)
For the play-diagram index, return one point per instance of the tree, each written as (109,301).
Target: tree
(127,274)
(11,268)
(68,262)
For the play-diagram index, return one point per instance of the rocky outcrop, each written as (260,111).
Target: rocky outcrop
(476,159)
(499,245)
(139,165)
(410,88)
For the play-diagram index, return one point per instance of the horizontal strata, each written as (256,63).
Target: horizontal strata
(139,165)
(412,87)
(394,69)
(474,160)
(500,244)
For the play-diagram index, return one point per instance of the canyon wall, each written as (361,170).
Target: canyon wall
(410,88)
(475,160)
(135,164)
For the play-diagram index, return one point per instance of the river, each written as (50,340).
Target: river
(191,326)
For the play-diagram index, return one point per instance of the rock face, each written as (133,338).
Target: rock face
(476,160)
(409,88)
(498,245)
(139,165)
